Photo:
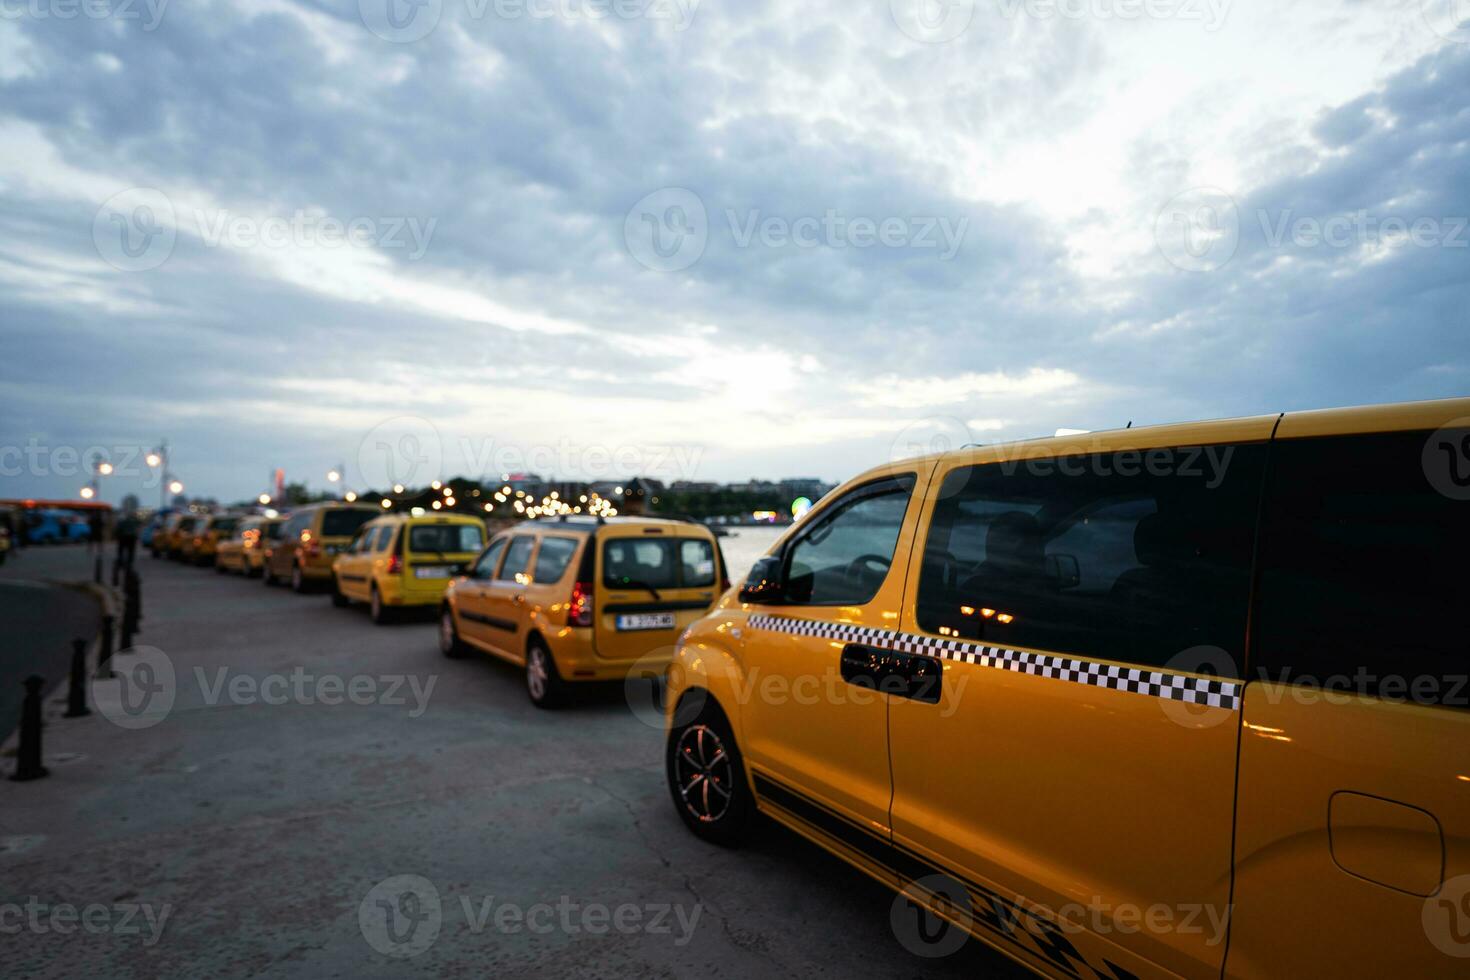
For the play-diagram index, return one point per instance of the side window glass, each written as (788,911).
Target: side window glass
(696,563)
(845,556)
(1362,571)
(553,558)
(517,559)
(385,538)
(485,566)
(1098,556)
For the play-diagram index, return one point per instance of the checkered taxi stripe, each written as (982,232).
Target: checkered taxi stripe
(1154,683)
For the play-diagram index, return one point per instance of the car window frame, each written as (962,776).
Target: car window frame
(877,487)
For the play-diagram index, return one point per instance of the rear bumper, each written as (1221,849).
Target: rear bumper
(577,660)
(397,591)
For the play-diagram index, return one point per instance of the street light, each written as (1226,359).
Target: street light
(176,487)
(264,499)
(88,493)
(154,460)
(333,476)
(104,468)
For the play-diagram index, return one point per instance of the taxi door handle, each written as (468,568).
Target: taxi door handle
(903,675)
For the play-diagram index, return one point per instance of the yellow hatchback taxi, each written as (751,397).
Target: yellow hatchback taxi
(209,534)
(232,554)
(1180,701)
(311,538)
(184,543)
(583,599)
(398,562)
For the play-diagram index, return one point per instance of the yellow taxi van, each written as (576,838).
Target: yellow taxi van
(583,599)
(402,561)
(310,540)
(1185,701)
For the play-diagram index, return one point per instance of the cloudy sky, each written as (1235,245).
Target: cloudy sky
(709,240)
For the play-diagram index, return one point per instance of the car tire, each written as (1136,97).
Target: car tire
(449,642)
(378,611)
(338,599)
(706,777)
(544,685)
(219,569)
(298,580)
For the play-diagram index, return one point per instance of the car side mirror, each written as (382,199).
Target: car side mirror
(763,585)
(1064,571)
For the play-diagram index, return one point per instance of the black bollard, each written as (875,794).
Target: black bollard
(28,756)
(104,653)
(76,692)
(133,608)
(116,571)
(97,570)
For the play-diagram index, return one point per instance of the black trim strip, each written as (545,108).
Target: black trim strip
(501,624)
(647,607)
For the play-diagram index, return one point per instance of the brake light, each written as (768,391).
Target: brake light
(395,564)
(312,550)
(579,611)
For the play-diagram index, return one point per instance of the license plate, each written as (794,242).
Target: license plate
(646,621)
(432,572)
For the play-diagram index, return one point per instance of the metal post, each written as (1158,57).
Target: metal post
(28,756)
(76,692)
(104,654)
(97,568)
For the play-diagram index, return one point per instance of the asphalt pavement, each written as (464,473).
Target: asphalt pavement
(277,787)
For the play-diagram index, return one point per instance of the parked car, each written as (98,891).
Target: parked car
(1213,670)
(574,600)
(398,562)
(311,539)
(184,543)
(229,553)
(208,535)
(258,545)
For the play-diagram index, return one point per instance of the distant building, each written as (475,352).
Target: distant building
(809,487)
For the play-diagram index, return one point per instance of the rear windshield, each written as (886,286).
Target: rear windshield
(224,523)
(187,524)
(448,538)
(663,563)
(344,523)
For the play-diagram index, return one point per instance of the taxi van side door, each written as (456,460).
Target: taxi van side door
(1353,839)
(1073,791)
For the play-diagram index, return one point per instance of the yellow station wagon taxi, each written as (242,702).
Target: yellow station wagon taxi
(399,561)
(1185,701)
(583,599)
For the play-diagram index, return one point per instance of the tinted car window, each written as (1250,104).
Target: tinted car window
(844,557)
(517,558)
(224,524)
(1363,571)
(659,563)
(447,538)
(553,558)
(485,566)
(1101,556)
(344,523)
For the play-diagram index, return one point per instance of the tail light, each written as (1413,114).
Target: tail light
(395,564)
(312,550)
(579,611)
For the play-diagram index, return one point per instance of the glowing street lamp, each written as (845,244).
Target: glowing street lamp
(88,493)
(176,487)
(264,499)
(104,468)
